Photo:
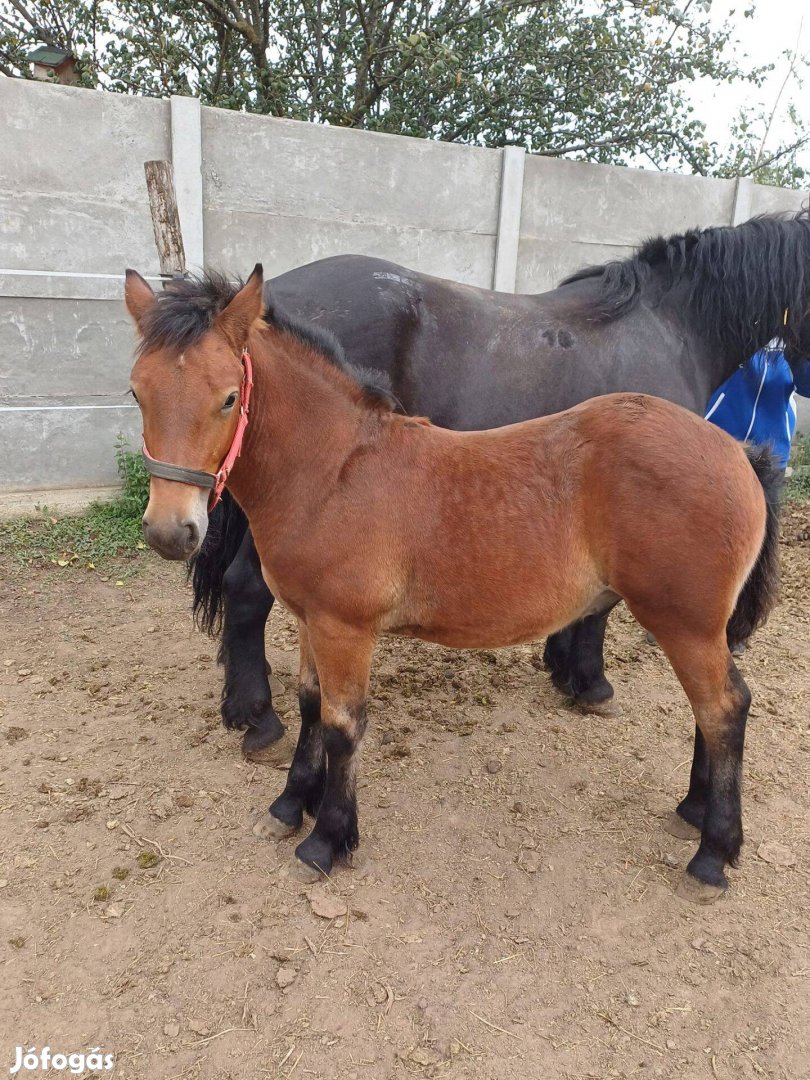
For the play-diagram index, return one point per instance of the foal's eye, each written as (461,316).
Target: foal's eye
(229,403)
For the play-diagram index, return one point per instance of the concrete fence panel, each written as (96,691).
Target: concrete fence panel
(278,190)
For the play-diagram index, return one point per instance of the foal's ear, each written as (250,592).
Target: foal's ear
(237,318)
(138,296)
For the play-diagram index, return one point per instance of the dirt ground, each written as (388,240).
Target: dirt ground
(510,913)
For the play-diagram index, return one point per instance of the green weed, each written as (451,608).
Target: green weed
(797,488)
(105,530)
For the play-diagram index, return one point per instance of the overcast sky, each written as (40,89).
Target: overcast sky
(763,39)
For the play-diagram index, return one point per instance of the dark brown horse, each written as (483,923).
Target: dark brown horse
(368,522)
(674,320)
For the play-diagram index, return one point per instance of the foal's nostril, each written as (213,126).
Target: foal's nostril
(193,534)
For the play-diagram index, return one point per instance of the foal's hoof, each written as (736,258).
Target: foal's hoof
(675,825)
(698,892)
(315,853)
(306,874)
(609,709)
(271,828)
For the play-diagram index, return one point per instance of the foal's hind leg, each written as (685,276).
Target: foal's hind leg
(687,821)
(720,700)
(246,699)
(307,774)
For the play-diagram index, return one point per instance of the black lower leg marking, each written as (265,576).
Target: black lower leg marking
(722,835)
(307,776)
(692,807)
(336,832)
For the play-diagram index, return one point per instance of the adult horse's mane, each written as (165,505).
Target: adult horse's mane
(187,307)
(740,279)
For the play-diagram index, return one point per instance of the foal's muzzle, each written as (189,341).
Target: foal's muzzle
(173,540)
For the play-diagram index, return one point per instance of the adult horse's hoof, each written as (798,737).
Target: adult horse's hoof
(594,696)
(698,892)
(675,825)
(609,709)
(261,724)
(249,713)
(560,682)
(256,747)
(272,828)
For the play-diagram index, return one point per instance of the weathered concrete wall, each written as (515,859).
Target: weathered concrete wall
(71,177)
(74,214)
(309,192)
(576,215)
(71,199)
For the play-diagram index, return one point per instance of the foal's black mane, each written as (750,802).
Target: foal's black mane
(740,279)
(187,307)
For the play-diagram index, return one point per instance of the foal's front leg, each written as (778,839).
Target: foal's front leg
(343,655)
(720,701)
(307,774)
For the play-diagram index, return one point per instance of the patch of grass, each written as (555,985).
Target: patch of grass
(104,530)
(797,488)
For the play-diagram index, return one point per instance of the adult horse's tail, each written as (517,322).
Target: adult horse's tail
(226,530)
(759,593)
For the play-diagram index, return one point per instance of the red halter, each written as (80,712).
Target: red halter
(197,477)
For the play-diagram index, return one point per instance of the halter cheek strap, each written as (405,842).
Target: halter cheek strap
(165,470)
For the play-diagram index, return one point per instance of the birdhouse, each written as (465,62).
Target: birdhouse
(54,65)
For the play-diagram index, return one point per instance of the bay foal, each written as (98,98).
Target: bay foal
(368,522)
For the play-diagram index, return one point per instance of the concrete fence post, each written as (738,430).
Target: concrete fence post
(504,273)
(743,200)
(186,117)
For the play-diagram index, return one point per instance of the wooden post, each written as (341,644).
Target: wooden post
(165,217)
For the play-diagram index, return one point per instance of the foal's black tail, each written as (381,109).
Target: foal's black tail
(227,526)
(760,592)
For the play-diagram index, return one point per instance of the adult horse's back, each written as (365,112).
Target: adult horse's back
(457,353)
(674,320)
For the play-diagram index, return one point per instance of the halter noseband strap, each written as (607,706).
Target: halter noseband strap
(164,470)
